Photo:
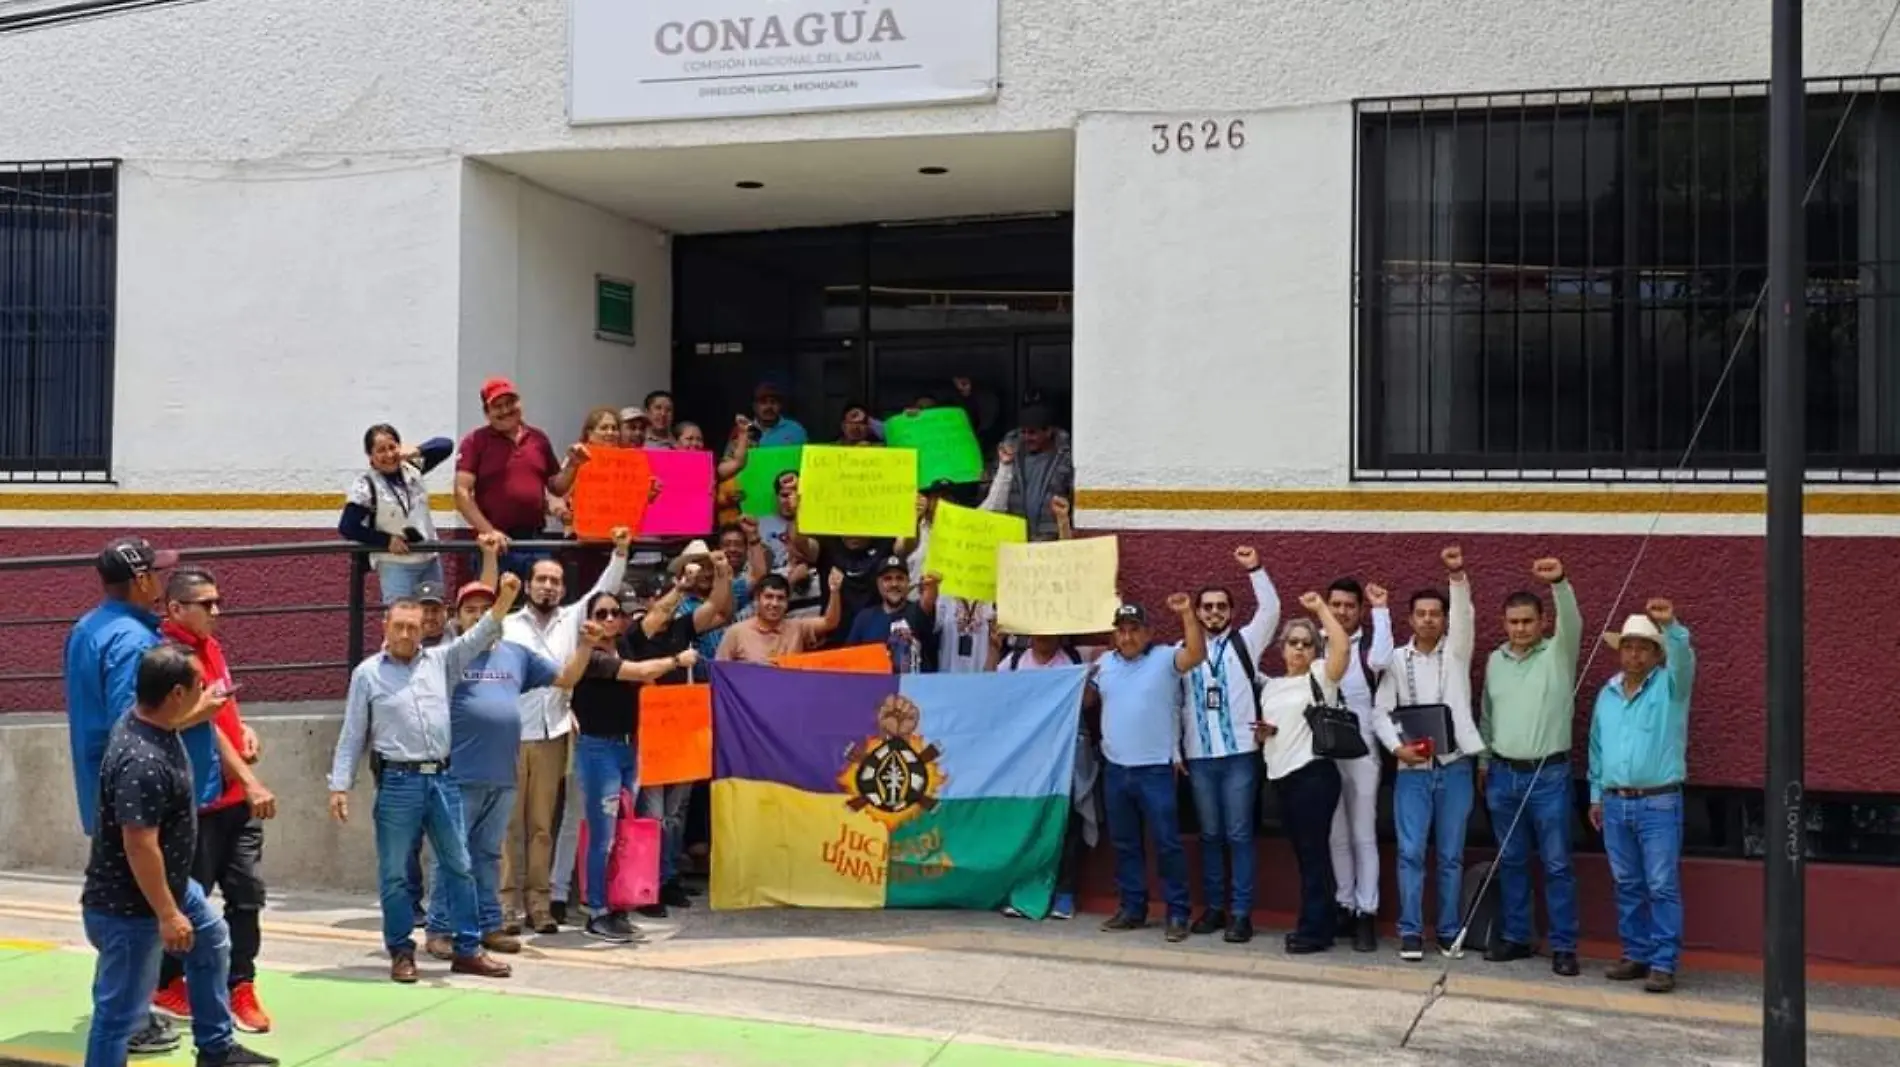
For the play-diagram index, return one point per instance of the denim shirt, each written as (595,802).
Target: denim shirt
(1642,742)
(402,709)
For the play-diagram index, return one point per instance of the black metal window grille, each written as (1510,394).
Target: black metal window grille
(58,271)
(1549,285)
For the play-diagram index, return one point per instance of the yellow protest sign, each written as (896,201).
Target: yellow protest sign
(1056,587)
(858,492)
(963,544)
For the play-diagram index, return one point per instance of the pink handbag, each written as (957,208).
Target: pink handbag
(633,864)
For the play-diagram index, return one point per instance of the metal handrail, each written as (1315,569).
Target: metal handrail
(355,607)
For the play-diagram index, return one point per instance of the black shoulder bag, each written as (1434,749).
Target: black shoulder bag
(1335,728)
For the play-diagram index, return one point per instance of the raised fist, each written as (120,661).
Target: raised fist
(510,586)
(1377,596)
(1548,570)
(1247,556)
(1179,603)
(835,580)
(1059,506)
(1453,558)
(1660,611)
(622,538)
(1005,455)
(1314,603)
(577,454)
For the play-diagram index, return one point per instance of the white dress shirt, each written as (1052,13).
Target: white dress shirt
(1354,688)
(544,712)
(1441,676)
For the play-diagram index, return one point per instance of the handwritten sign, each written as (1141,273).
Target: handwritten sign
(1057,587)
(684,507)
(946,446)
(858,492)
(675,734)
(758,478)
(852,659)
(963,544)
(611,489)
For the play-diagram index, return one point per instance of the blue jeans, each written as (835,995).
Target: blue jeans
(605,766)
(1226,789)
(1138,795)
(1546,820)
(412,877)
(1643,836)
(429,806)
(485,812)
(126,976)
(1431,803)
(398,579)
(667,803)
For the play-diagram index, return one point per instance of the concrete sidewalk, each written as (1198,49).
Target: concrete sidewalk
(922,988)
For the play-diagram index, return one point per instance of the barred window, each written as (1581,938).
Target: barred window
(1550,284)
(58,234)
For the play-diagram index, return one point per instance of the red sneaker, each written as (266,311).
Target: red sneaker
(173,1000)
(246,1011)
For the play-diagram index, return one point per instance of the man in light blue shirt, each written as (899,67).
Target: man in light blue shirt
(1639,740)
(399,704)
(770,422)
(1138,686)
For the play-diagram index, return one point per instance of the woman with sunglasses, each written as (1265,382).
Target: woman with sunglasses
(1308,787)
(605,760)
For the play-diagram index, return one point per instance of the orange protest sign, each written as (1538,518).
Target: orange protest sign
(853,659)
(611,489)
(675,734)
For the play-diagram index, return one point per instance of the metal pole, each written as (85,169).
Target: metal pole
(359,574)
(1784,956)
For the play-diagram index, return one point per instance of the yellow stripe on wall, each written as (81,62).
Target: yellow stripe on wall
(106,500)
(1687,501)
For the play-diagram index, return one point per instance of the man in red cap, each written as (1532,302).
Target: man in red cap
(505,471)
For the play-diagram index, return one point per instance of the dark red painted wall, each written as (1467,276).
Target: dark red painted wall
(1853,618)
(1717,584)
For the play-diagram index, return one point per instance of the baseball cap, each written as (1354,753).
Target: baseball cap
(469,589)
(632,412)
(1131,613)
(429,592)
(893,563)
(497,387)
(125,558)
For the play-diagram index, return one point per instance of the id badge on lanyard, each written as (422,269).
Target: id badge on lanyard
(1216,697)
(1217,677)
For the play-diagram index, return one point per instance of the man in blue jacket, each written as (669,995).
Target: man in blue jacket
(101,669)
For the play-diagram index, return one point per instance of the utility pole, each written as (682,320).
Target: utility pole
(1784,1038)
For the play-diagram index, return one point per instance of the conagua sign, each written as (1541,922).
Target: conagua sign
(641,60)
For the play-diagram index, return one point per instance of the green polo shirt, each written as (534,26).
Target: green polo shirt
(1530,700)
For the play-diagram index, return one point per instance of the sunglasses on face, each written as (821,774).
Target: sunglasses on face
(1298,642)
(209,603)
(1217,606)
(608,614)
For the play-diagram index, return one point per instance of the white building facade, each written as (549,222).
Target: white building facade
(1324,292)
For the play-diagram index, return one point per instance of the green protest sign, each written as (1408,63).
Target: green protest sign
(761,470)
(947,450)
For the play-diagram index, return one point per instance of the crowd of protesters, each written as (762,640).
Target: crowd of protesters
(493,734)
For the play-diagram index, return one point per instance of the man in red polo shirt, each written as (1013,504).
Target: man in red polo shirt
(505,471)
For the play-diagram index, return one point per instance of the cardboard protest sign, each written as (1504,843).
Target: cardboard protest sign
(945,442)
(684,507)
(963,548)
(611,489)
(761,471)
(857,492)
(1057,587)
(854,659)
(675,734)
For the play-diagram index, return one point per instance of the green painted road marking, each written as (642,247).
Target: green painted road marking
(332,1022)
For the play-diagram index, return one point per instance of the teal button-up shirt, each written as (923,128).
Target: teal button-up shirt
(1642,742)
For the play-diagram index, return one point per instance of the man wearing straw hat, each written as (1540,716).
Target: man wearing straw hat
(1639,739)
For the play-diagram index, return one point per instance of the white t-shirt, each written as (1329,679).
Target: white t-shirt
(963,624)
(1283,703)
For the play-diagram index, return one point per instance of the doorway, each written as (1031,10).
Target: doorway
(878,314)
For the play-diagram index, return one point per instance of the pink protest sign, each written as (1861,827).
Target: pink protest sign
(684,507)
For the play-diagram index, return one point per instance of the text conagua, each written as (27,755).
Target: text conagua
(810,30)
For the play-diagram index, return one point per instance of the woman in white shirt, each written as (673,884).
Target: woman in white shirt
(1308,787)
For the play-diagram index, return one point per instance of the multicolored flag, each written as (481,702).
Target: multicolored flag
(886,791)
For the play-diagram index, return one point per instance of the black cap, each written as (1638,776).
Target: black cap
(893,563)
(430,593)
(1131,613)
(125,558)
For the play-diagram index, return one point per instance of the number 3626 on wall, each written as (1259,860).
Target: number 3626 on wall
(1206,135)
